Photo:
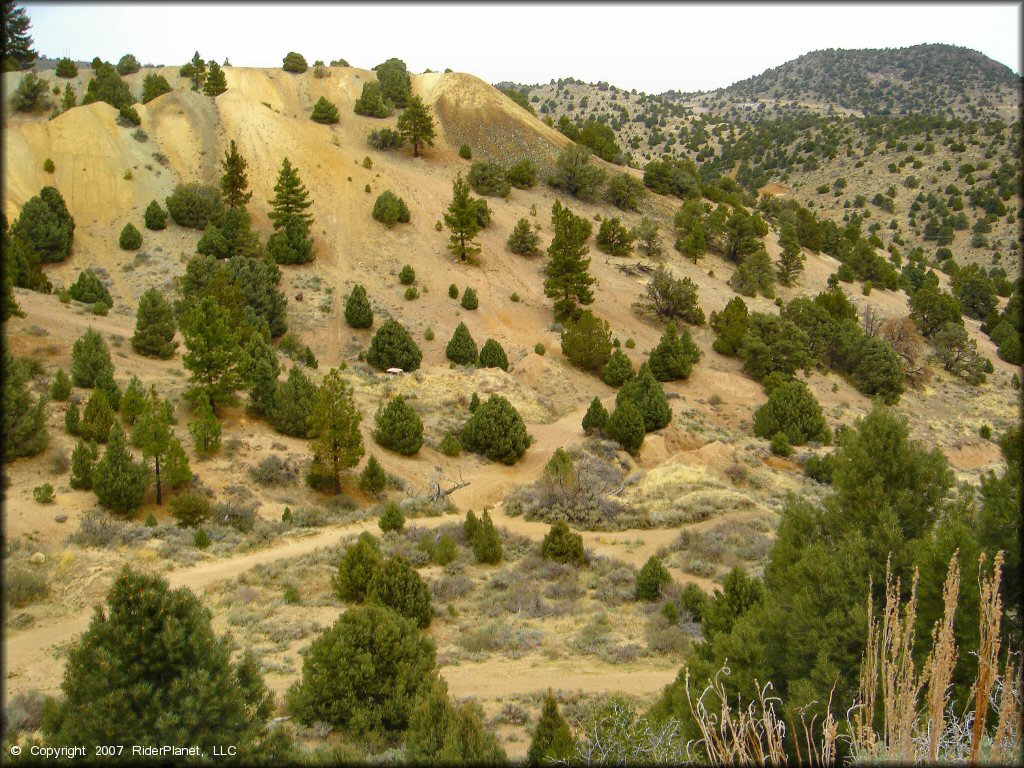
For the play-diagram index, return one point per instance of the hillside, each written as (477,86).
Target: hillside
(703,493)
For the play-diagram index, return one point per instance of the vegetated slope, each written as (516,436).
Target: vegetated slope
(928,79)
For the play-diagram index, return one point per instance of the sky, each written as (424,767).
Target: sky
(650,47)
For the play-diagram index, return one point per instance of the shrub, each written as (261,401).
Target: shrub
(674,356)
(646,394)
(653,577)
(461,349)
(393,347)
(385,139)
(596,417)
(453,291)
(324,112)
(372,479)
(493,356)
(587,342)
(552,740)
(90,359)
(194,205)
(488,179)
(97,418)
(190,509)
(391,518)
(371,102)
(496,430)
(357,308)
(671,298)
(465,152)
(450,445)
(364,673)
(791,409)
(469,300)
(201,540)
(524,239)
(562,545)
(574,173)
(522,174)
(23,586)
(487,547)
(626,426)
(356,569)
(155,217)
(428,334)
(30,95)
(390,209)
(128,65)
(407,275)
(539,348)
(43,494)
(118,481)
(66,68)
(396,585)
(45,230)
(618,370)
(474,402)
(60,388)
(88,289)
(130,238)
(48,166)
(398,427)
(154,85)
(127,115)
(625,192)
(780,444)
(614,239)
(295,62)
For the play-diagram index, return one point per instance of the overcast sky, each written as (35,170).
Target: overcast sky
(650,47)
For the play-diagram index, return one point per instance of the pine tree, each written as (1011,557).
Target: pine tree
(234,183)
(106,384)
(568,279)
(552,740)
(524,240)
(587,341)
(216,81)
(97,418)
(291,412)
(626,426)
(596,417)
(398,427)
(324,112)
(372,479)
(613,238)
(461,219)
(205,430)
(291,242)
(24,420)
(154,85)
(648,242)
(416,125)
(337,443)
(461,348)
(155,216)
(443,734)
(730,326)
(397,586)
(791,261)
(18,52)
(72,419)
(358,313)
(653,577)
(133,401)
(154,326)
(492,355)
(69,100)
(644,392)
(393,347)
(83,459)
(45,227)
(674,356)
(118,481)
(260,371)
(470,527)
(356,568)
(89,358)
(195,70)
(487,547)
(371,101)
(214,353)
(496,430)
(60,388)
(153,434)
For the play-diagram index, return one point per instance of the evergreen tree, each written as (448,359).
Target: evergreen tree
(45,227)
(216,81)
(194,205)
(106,384)
(487,547)
(393,347)
(107,86)
(445,734)
(461,348)
(730,325)
(470,527)
(398,427)
(469,300)
(97,418)
(791,261)
(568,279)
(88,289)
(357,308)
(524,240)
(618,370)
(371,101)
(674,356)
(373,479)
(391,519)
(416,125)
(596,417)
(324,112)
(626,426)
(674,298)
(562,545)
(653,577)
(613,238)
(153,434)
(155,216)
(118,481)
(260,371)
(154,85)
(17,52)
(396,585)
(337,443)
(151,664)
(644,392)
(69,100)
(195,71)
(214,353)
(291,413)
(154,326)
(393,76)
(754,275)
(257,281)
(60,388)
(205,430)
(552,739)
(291,242)
(234,183)
(83,459)
(461,218)
(24,420)
(496,430)
(587,341)
(792,410)
(576,175)
(356,569)
(648,242)
(492,355)
(73,420)
(133,401)
(295,63)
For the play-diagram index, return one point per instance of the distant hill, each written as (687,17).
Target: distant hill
(931,79)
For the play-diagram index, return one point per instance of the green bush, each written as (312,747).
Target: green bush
(371,102)
(469,300)
(372,479)
(356,569)
(88,289)
(398,427)
(791,409)
(453,291)
(30,95)
(43,494)
(465,152)
(596,417)
(446,550)
(653,577)
(130,238)
(201,540)
(626,426)
(396,585)
(493,356)
(488,179)
(194,205)
(44,229)
(293,404)
(411,294)
(191,509)
(523,174)
(539,348)
(390,209)
(324,112)
(552,738)
(155,217)
(587,342)
(524,239)
(357,308)
(385,139)
(450,445)
(496,430)
(461,349)
(486,543)
(393,347)
(128,65)
(391,518)
(66,68)
(154,85)
(562,545)
(97,418)
(780,444)
(646,394)
(407,275)
(48,166)
(60,387)
(294,62)
(618,370)
(675,355)
(119,482)
(364,673)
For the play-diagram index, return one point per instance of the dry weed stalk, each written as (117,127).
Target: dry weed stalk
(991,615)
(942,659)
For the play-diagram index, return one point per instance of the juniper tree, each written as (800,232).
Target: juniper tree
(552,739)
(216,81)
(337,443)
(791,261)
(83,459)
(487,547)
(461,219)
(648,242)
(291,412)
(446,734)
(461,349)
(613,238)
(133,401)
(396,585)
(324,112)
(90,356)
(730,326)
(587,341)
(234,182)
(97,418)
(674,356)
(493,356)
(355,569)
(73,419)
(416,125)
(70,99)
(214,352)
(644,392)
(24,417)
(372,479)
(371,101)
(524,240)
(618,370)
(154,85)
(393,347)
(496,430)
(260,371)
(357,308)
(754,275)
(398,427)
(88,289)
(626,426)
(45,227)
(576,175)
(60,388)
(568,280)
(596,417)
(117,479)
(393,76)
(155,216)
(674,298)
